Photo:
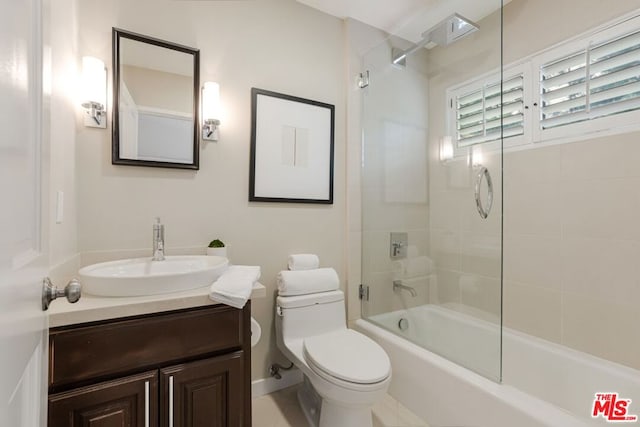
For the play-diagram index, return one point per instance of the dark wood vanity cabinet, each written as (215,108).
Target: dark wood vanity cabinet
(204,393)
(126,401)
(187,368)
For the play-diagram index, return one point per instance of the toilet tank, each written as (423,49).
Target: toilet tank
(307,315)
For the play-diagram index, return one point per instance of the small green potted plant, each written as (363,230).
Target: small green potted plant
(217,248)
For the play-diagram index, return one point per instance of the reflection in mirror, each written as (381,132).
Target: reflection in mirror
(156,102)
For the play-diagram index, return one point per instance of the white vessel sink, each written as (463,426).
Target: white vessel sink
(141,276)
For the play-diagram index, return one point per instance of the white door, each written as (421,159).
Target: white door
(23,234)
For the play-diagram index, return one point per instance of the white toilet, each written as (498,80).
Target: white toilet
(345,372)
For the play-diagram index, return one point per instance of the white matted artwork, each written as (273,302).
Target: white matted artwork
(291,149)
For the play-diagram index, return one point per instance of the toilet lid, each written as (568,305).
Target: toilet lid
(349,356)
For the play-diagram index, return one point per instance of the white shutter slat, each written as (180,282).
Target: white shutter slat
(515,96)
(563,120)
(512,84)
(491,91)
(631,104)
(471,132)
(471,120)
(507,111)
(508,122)
(471,98)
(512,131)
(565,107)
(567,64)
(618,94)
(617,78)
(565,94)
(605,50)
(567,79)
(470,110)
(615,63)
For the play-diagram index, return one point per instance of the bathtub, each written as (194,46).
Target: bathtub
(544,384)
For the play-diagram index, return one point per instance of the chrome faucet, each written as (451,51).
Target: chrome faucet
(158,241)
(396,249)
(398,285)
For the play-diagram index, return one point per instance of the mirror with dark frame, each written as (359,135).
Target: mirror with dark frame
(156,99)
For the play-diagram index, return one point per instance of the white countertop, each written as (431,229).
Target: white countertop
(92,308)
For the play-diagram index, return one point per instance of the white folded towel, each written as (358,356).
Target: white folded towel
(307,281)
(303,262)
(235,285)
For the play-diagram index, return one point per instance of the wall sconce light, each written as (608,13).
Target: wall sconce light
(94,92)
(446,149)
(210,111)
(475,156)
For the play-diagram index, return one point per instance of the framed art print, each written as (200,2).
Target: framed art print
(292,147)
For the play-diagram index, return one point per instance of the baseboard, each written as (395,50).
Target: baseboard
(269,385)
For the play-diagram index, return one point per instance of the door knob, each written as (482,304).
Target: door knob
(72,291)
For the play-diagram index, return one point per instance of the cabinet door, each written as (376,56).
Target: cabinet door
(125,402)
(206,393)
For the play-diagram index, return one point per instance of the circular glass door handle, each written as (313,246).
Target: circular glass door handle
(484,173)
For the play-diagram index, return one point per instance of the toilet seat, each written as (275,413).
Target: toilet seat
(347,356)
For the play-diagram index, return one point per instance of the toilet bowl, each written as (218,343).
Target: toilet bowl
(345,372)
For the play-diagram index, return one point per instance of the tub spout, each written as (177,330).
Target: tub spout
(398,285)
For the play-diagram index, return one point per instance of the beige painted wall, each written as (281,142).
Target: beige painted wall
(278,45)
(64,116)
(529,26)
(570,239)
(159,89)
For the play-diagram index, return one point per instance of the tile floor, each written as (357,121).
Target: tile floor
(280,409)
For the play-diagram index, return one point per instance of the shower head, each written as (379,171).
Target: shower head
(450,30)
(444,33)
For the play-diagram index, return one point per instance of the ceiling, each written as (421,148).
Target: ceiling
(405,18)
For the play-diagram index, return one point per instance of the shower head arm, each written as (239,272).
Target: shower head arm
(400,55)
(449,30)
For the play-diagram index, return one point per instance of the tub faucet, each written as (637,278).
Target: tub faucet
(398,285)
(158,241)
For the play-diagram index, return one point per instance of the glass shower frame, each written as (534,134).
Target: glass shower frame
(431,253)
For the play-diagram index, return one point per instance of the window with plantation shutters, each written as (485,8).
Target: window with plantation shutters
(599,81)
(583,88)
(481,113)
(479,116)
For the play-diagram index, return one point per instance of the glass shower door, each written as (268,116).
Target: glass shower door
(431,185)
